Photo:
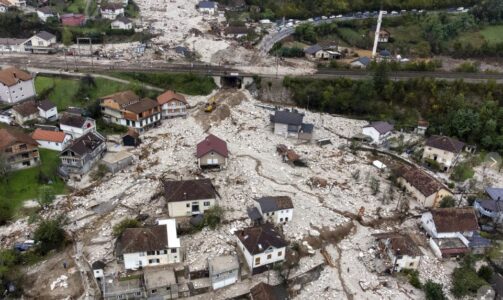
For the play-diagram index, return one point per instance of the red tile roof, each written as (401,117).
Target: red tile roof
(11,76)
(212,143)
(169,96)
(47,135)
(10,136)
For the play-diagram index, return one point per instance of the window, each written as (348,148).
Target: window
(173,250)
(150,252)
(153,291)
(8,150)
(280,253)
(206,203)
(153,261)
(188,205)
(120,297)
(138,293)
(269,256)
(281,219)
(411,264)
(257,261)
(23,147)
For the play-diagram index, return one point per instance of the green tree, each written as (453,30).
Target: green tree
(381,76)
(50,235)
(485,272)
(45,196)
(374,185)
(448,201)
(433,291)
(5,211)
(4,168)
(465,281)
(119,228)
(67,37)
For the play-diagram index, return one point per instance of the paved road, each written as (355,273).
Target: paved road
(282,32)
(56,65)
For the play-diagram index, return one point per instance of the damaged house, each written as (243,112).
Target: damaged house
(444,150)
(81,155)
(149,246)
(76,125)
(212,152)
(493,207)
(224,271)
(399,250)
(427,190)
(450,230)
(289,123)
(187,198)
(274,209)
(261,246)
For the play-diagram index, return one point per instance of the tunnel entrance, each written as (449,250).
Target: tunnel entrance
(231,82)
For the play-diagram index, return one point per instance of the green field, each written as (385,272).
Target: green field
(493,34)
(65,90)
(24,184)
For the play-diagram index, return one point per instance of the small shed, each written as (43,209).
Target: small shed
(224,271)
(98,267)
(116,161)
(131,138)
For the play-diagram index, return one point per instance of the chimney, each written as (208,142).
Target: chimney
(184,195)
(15,75)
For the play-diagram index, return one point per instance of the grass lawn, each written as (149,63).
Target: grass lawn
(190,84)
(24,184)
(65,90)
(493,34)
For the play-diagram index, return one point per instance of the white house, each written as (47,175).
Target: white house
(493,207)
(15,85)
(261,246)
(98,267)
(277,210)
(444,150)
(208,7)
(149,246)
(42,42)
(400,251)
(450,229)
(378,131)
(24,112)
(47,110)
(122,23)
(361,62)
(52,140)
(44,13)
(111,10)
(290,124)
(189,197)
(75,125)
(172,104)
(9,45)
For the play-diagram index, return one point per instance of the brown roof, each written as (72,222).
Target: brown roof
(264,291)
(260,238)
(183,190)
(46,105)
(169,96)
(143,105)
(112,6)
(455,219)
(48,135)
(11,76)
(401,244)
(70,119)
(10,136)
(212,143)
(445,143)
(86,143)
(142,239)
(123,98)
(419,179)
(27,108)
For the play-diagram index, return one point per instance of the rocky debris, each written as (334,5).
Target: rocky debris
(60,282)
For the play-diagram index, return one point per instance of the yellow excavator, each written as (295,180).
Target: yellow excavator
(210,105)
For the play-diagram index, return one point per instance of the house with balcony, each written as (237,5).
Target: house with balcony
(149,246)
(15,85)
(42,42)
(185,198)
(444,150)
(172,104)
(19,149)
(261,246)
(398,250)
(112,106)
(450,230)
(76,125)
(82,155)
(142,115)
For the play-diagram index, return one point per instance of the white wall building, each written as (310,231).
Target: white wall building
(76,126)
(277,210)
(149,246)
(207,7)
(111,11)
(47,110)
(122,23)
(52,140)
(261,246)
(378,131)
(44,13)
(15,85)
(189,197)
(400,251)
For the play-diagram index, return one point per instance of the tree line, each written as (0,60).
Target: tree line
(472,112)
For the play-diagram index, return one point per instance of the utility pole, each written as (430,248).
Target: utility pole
(376,37)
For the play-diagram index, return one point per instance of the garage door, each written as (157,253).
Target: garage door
(222,283)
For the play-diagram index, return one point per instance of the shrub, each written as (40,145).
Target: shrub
(433,164)
(465,281)
(448,201)
(471,199)
(433,291)
(485,272)
(50,235)
(45,196)
(374,185)
(213,216)
(412,277)
(99,173)
(462,172)
(118,229)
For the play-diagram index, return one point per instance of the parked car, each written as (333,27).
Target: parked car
(24,246)
(338,16)
(324,17)
(332,17)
